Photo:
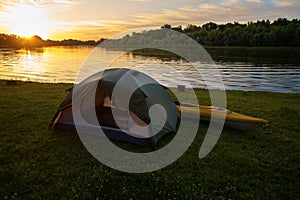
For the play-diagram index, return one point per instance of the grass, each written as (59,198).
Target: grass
(36,163)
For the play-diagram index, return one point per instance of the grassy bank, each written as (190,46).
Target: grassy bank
(36,163)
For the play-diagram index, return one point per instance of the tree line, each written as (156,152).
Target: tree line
(281,32)
(14,41)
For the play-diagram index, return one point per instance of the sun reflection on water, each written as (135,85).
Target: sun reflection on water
(32,63)
(48,64)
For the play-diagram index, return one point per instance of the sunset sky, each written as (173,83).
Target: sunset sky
(95,19)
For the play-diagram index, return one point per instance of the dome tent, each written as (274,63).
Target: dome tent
(131,123)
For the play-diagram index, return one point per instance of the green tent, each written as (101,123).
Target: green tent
(128,106)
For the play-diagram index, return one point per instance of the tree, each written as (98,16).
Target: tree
(178,28)
(281,22)
(210,26)
(167,26)
(190,28)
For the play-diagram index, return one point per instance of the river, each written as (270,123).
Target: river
(249,69)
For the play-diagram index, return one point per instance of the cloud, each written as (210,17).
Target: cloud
(63,1)
(283,3)
(139,0)
(227,11)
(5,3)
(91,29)
(196,12)
(254,1)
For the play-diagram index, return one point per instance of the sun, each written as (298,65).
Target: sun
(28,20)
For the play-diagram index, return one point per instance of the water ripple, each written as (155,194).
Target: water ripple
(59,64)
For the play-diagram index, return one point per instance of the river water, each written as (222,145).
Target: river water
(249,69)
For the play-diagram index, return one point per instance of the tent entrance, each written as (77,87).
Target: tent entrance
(110,115)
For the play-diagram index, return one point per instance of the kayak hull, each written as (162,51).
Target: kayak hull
(232,119)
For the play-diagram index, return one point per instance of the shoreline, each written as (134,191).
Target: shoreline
(15,82)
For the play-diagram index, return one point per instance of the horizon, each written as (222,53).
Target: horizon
(93,20)
(141,29)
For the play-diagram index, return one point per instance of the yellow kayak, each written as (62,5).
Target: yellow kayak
(232,119)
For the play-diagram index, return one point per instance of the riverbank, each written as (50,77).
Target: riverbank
(37,163)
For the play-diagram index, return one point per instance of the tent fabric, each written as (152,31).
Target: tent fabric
(136,125)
